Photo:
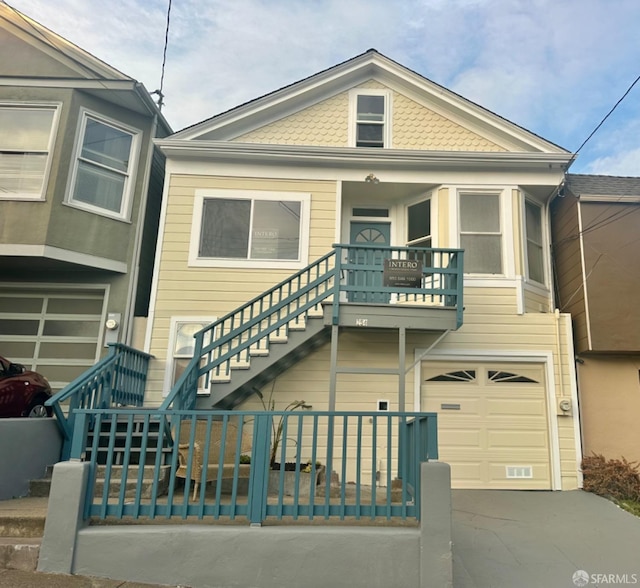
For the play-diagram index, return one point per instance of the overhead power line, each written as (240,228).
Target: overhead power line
(607,116)
(160,91)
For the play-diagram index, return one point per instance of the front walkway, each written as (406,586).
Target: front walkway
(508,539)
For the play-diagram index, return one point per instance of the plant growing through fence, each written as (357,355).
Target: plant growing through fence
(277,424)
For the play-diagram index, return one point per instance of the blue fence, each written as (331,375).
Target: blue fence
(254,465)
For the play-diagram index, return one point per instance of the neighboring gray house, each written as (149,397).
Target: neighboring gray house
(80,191)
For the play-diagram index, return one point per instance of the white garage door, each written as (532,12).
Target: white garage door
(492,423)
(52,331)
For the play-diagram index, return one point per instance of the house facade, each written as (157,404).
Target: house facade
(80,189)
(370,154)
(598,267)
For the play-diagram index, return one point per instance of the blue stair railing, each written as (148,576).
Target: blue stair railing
(248,329)
(231,338)
(118,379)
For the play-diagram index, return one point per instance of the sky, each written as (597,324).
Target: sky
(555,67)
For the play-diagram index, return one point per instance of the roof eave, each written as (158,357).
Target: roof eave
(357,157)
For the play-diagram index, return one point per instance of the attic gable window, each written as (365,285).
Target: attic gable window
(27,133)
(370,116)
(243,228)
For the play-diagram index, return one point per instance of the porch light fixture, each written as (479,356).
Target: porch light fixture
(371,179)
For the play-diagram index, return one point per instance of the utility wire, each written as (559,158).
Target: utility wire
(607,116)
(159,92)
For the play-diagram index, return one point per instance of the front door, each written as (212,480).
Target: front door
(369,275)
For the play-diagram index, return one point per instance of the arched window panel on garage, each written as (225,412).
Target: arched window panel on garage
(456,376)
(502,377)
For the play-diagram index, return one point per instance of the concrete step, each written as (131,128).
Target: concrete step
(131,487)
(19,554)
(41,487)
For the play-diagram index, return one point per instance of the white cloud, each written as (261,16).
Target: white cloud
(625,163)
(552,66)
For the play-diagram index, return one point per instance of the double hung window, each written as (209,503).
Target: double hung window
(26,143)
(102,179)
(533,229)
(370,118)
(480,233)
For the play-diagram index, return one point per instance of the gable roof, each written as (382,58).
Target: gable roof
(85,71)
(369,65)
(584,184)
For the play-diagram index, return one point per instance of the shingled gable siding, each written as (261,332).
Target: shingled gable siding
(189,291)
(413,127)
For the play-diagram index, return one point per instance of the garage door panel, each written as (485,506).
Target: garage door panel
(498,425)
(460,437)
(466,471)
(514,439)
(515,406)
(52,330)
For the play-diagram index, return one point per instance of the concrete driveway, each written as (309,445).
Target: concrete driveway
(510,539)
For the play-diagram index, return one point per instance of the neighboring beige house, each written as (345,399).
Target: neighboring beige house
(597,262)
(80,190)
(369,152)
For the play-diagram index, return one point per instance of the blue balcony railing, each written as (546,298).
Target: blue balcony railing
(144,463)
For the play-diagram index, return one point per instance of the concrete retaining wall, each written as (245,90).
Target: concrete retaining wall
(27,447)
(279,556)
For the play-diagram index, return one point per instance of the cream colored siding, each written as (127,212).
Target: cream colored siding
(535,301)
(414,126)
(443,217)
(189,291)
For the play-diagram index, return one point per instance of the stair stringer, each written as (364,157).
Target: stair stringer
(264,368)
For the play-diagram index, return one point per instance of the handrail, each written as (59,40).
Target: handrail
(118,379)
(353,271)
(251,324)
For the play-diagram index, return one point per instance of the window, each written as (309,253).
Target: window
(370,118)
(182,345)
(419,224)
(480,234)
(533,229)
(26,142)
(253,229)
(102,179)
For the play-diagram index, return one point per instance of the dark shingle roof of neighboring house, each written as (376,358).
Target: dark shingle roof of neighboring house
(603,185)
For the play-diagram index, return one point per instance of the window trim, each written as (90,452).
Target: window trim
(196,226)
(130,175)
(353,115)
(171,356)
(531,201)
(53,133)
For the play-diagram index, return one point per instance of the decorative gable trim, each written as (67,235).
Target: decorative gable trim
(349,74)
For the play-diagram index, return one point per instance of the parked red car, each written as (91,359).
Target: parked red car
(22,392)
